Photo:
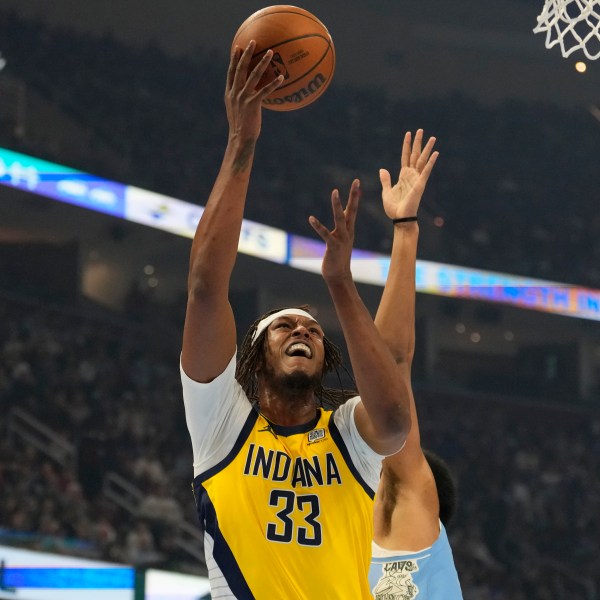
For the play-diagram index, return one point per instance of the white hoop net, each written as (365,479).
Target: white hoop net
(573,24)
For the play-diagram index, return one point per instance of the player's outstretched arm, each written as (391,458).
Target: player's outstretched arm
(209,334)
(395,317)
(383,416)
(407,470)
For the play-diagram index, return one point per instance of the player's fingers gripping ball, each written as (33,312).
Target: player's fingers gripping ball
(303,53)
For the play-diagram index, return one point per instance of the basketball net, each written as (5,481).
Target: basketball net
(573,24)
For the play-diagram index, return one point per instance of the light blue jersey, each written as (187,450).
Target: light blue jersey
(425,575)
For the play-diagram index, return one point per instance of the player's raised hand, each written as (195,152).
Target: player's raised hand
(243,96)
(402,199)
(339,241)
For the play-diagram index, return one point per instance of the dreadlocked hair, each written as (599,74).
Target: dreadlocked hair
(251,356)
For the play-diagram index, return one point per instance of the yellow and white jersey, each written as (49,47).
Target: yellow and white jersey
(287,511)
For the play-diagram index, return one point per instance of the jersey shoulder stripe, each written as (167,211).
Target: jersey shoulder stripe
(336,436)
(237,446)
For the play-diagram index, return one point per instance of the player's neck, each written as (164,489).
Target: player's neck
(287,409)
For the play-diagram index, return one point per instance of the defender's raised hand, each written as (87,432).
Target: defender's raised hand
(403,198)
(339,241)
(243,97)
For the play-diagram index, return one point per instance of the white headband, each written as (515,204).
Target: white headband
(262,325)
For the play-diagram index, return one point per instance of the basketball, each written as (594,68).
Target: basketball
(303,53)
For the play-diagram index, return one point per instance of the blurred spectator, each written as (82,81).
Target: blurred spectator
(159,506)
(140,546)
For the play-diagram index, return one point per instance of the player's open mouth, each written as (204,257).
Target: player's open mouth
(299,349)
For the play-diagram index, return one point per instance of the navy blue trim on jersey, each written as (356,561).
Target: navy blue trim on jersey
(244,433)
(285,430)
(222,553)
(336,436)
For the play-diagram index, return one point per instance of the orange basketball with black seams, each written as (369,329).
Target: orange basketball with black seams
(303,53)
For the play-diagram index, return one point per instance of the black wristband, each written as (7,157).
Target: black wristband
(404,220)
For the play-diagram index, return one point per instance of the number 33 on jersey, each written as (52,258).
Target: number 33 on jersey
(299,499)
